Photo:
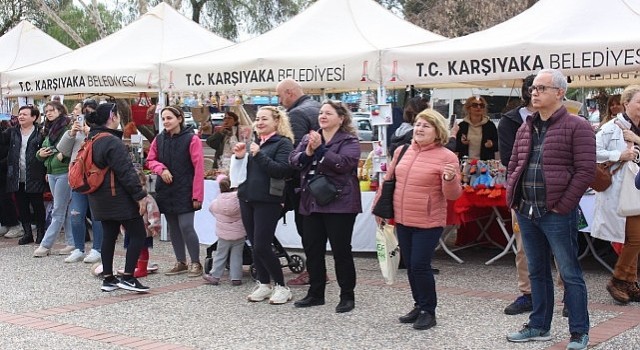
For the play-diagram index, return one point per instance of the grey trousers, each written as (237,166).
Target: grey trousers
(233,250)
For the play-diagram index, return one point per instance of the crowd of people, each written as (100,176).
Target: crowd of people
(305,158)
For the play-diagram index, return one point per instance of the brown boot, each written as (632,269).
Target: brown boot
(618,290)
(634,292)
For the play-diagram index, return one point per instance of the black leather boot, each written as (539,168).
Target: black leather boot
(39,233)
(28,235)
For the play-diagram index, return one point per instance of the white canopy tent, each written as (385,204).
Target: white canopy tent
(25,44)
(564,34)
(333,45)
(128,61)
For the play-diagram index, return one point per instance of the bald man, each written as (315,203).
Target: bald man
(303,115)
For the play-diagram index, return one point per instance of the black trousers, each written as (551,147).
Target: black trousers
(137,234)
(338,229)
(27,201)
(260,220)
(8,214)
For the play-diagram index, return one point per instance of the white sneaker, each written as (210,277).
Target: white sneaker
(75,256)
(14,232)
(3,230)
(93,257)
(280,295)
(66,250)
(261,292)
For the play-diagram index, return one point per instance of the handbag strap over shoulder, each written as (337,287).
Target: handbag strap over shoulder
(404,150)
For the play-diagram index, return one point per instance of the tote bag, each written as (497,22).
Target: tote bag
(629,203)
(388,252)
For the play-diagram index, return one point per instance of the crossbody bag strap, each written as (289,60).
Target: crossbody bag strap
(404,150)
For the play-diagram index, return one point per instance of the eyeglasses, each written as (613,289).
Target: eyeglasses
(541,88)
(477,105)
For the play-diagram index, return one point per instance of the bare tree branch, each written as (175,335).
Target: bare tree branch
(65,27)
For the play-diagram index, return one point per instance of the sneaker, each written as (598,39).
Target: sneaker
(195,270)
(578,341)
(521,305)
(177,269)
(93,257)
(260,292)
(41,252)
(66,250)
(76,256)
(14,232)
(280,295)
(236,282)
(132,284)
(110,284)
(529,334)
(212,280)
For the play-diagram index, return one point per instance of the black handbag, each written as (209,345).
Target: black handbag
(384,206)
(323,190)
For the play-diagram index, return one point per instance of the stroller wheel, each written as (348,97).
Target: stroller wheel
(254,272)
(297,264)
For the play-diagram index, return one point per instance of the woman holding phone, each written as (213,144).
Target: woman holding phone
(69,145)
(57,165)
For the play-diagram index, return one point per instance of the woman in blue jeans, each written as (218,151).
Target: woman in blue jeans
(69,145)
(427,175)
(57,166)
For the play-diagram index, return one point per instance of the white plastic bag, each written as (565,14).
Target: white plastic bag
(629,202)
(388,252)
(238,171)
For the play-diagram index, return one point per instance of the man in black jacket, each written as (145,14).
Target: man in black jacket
(303,115)
(507,128)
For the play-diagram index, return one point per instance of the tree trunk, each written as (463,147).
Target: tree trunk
(65,27)
(197,9)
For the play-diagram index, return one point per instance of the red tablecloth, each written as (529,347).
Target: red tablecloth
(472,206)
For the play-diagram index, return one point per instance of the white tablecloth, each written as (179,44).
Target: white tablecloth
(587,204)
(364,232)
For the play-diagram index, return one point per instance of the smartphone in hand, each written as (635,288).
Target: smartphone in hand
(452,121)
(80,119)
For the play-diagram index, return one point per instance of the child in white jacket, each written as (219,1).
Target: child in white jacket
(231,234)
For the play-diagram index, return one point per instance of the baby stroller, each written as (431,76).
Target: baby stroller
(294,262)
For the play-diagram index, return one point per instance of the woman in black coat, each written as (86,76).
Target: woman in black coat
(119,201)
(25,174)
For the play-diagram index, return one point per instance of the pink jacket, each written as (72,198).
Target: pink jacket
(226,209)
(421,194)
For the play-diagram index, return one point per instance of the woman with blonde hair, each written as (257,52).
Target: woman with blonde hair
(427,176)
(477,136)
(261,197)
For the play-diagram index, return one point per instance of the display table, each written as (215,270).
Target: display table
(364,231)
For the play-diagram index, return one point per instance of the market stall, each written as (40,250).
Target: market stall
(550,34)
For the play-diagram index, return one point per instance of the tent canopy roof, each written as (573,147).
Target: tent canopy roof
(128,60)
(25,44)
(330,33)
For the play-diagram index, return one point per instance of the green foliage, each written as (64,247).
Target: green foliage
(80,21)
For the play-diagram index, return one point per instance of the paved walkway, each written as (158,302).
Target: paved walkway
(47,304)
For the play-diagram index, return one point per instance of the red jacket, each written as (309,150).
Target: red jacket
(568,160)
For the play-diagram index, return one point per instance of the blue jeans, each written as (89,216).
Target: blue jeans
(78,212)
(59,185)
(417,246)
(555,234)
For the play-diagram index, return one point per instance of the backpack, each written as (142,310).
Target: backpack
(84,176)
